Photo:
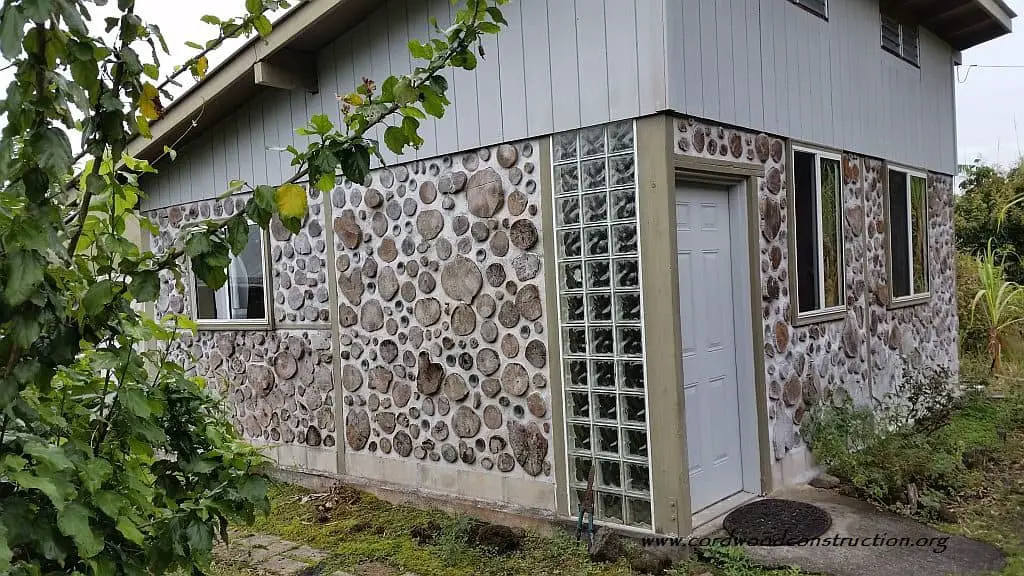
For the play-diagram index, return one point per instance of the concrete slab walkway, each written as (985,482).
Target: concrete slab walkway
(269,555)
(866,541)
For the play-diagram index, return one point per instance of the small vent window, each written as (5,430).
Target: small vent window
(900,36)
(819,7)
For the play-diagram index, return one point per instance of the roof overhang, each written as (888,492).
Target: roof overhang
(260,62)
(960,23)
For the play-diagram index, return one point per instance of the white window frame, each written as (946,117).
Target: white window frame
(816,315)
(246,323)
(913,297)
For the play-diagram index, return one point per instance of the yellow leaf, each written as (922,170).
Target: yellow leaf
(149,92)
(353,99)
(143,126)
(202,65)
(148,109)
(291,201)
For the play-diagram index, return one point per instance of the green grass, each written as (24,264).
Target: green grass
(363,529)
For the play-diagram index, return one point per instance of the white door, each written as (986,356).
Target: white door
(706,295)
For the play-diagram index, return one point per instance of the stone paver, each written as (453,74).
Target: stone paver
(272,556)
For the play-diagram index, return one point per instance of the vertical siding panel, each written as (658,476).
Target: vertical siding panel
(565,86)
(300,115)
(692,58)
(593,61)
(327,79)
(244,140)
(203,177)
(380,68)
(536,52)
(446,129)
(467,114)
(651,58)
(709,60)
(344,76)
(797,103)
(258,139)
(769,67)
(220,179)
(783,90)
(675,66)
(744,83)
(511,63)
(231,171)
(418,27)
(399,62)
(754,55)
(824,91)
(489,93)
(725,26)
(277,119)
(623,73)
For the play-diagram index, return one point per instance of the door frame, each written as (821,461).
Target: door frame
(741,181)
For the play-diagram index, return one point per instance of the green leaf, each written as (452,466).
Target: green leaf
(25,328)
(193,45)
(110,503)
(211,19)
(262,25)
(321,123)
(145,286)
(51,455)
(135,402)
(200,536)
(24,273)
(488,27)
(496,15)
(5,551)
(198,243)
(421,51)
(38,11)
(151,70)
(94,472)
(413,112)
(253,488)
(129,530)
(97,297)
(355,163)
(238,233)
(12,30)
(52,149)
(326,182)
(29,481)
(395,139)
(73,521)
(253,6)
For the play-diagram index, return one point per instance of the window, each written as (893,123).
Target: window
(900,37)
(818,237)
(819,7)
(243,298)
(908,237)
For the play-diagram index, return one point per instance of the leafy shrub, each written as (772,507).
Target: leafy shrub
(881,452)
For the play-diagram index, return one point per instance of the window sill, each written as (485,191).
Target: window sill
(226,325)
(903,58)
(819,316)
(908,301)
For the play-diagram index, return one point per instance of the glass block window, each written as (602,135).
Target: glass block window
(600,312)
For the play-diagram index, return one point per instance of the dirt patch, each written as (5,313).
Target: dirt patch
(375,569)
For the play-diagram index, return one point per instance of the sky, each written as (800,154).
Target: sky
(989,101)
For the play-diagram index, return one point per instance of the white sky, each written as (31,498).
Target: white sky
(990,102)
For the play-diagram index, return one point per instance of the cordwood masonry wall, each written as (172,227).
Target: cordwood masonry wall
(864,353)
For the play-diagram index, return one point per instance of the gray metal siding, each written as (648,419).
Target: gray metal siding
(770,65)
(561,64)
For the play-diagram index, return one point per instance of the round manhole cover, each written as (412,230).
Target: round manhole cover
(777,522)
